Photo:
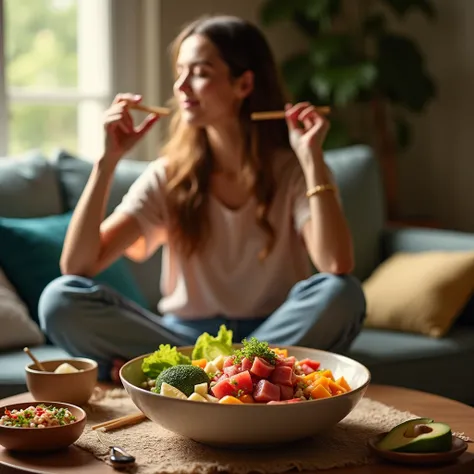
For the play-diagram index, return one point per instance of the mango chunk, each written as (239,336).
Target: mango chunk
(327,373)
(343,383)
(230,400)
(199,363)
(320,392)
(335,388)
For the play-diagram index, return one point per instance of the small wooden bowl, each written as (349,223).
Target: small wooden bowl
(42,439)
(75,388)
(458,447)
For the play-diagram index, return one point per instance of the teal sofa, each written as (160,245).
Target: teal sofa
(33,186)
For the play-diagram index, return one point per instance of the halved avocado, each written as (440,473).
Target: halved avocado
(421,435)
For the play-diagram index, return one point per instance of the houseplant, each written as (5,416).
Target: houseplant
(354,58)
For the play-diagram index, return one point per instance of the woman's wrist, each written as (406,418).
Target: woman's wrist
(316,173)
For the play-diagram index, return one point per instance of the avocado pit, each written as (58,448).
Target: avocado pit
(417,430)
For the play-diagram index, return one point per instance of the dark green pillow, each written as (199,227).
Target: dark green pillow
(30,250)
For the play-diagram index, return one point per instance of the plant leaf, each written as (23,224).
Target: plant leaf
(402,75)
(295,71)
(343,84)
(273,11)
(325,48)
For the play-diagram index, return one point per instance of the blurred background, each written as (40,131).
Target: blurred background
(399,75)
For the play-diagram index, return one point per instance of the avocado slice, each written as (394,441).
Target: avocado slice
(421,435)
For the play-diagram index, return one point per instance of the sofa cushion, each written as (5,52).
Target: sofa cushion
(357,174)
(30,254)
(17,328)
(28,187)
(442,366)
(73,173)
(419,292)
(12,364)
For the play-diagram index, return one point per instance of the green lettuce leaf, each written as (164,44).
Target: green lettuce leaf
(165,357)
(209,347)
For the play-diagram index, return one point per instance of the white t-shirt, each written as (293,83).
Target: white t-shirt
(226,278)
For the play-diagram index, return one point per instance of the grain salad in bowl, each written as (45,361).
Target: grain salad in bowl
(39,416)
(40,426)
(248,393)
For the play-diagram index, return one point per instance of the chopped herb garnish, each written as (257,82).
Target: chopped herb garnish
(255,348)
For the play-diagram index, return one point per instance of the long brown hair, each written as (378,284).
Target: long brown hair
(242,47)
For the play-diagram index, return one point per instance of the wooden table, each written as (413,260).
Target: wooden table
(459,416)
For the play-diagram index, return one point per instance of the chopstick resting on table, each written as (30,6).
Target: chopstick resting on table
(267,115)
(121,422)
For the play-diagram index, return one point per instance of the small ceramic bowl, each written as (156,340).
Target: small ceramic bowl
(42,439)
(75,388)
(458,447)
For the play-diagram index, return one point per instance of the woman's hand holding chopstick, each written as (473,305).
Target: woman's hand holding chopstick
(121,133)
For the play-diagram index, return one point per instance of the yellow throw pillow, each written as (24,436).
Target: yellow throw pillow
(419,292)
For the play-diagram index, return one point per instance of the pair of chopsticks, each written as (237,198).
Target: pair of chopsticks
(121,422)
(269,115)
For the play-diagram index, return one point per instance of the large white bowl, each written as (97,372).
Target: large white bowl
(250,424)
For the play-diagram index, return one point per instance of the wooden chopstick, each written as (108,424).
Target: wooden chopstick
(153,109)
(280,114)
(268,115)
(121,422)
(38,364)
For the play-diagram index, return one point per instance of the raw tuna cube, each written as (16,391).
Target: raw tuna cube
(242,381)
(262,368)
(282,375)
(266,391)
(286,392)
(223,388)
(246,364)
(231,370)
(289,361)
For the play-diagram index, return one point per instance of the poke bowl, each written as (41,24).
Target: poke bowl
(40,426)
(251,394)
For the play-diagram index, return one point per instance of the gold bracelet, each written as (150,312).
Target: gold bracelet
(320,188)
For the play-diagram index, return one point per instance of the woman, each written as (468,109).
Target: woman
(236,204)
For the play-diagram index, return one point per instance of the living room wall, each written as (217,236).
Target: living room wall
(437,172)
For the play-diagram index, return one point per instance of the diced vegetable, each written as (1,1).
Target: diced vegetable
(201,388)
(169,391)
(196,397)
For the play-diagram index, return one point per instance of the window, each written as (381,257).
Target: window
(55,76)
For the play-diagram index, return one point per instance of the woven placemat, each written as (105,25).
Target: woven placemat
(159,451)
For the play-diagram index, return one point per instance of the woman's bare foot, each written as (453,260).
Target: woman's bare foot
(114,372)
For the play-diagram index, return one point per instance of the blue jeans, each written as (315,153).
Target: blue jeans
(92,320)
